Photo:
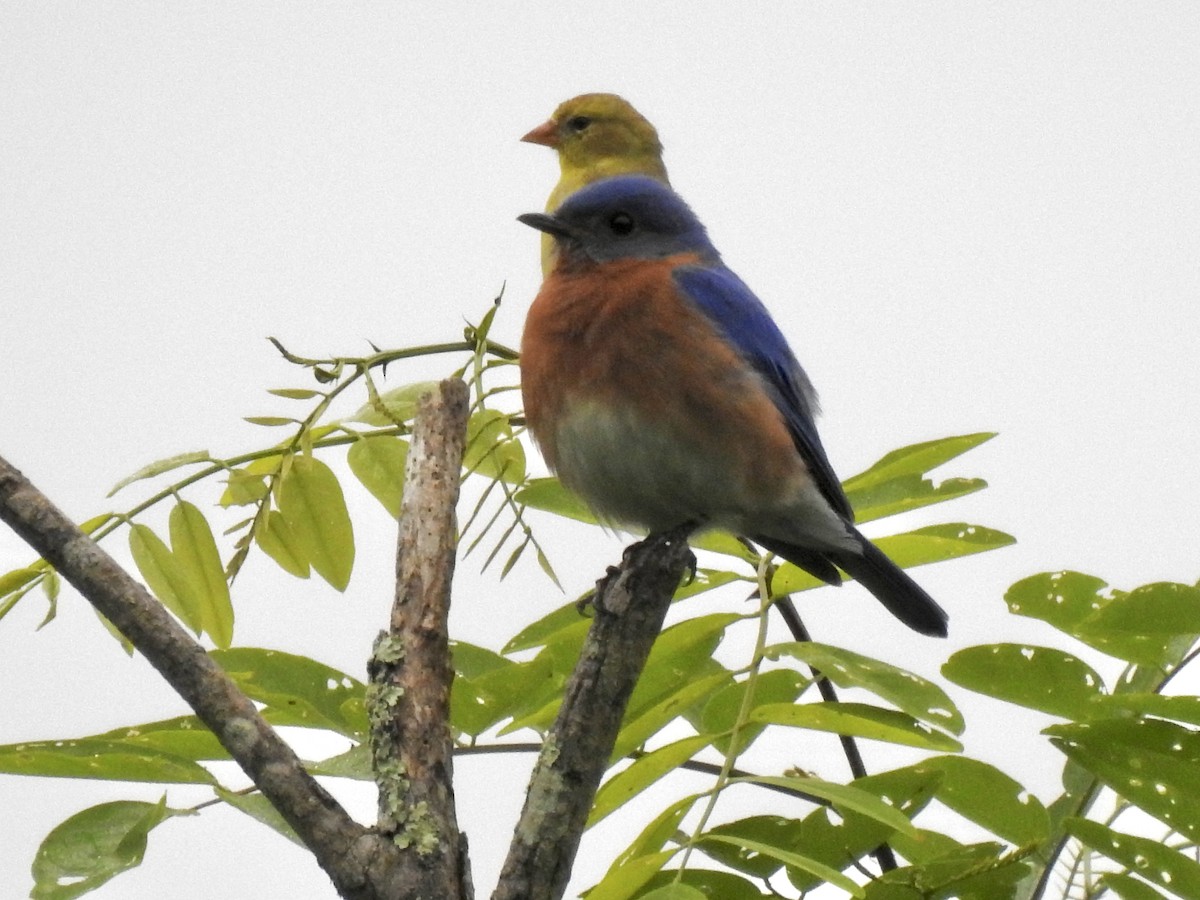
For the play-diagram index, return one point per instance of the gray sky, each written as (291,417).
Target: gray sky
(964,216)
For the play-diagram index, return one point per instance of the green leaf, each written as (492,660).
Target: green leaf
(791,579)
(626,880)
(161,466)
(314,508)
(195,550)
(988,797)
(645,723)
(777,831)
(844,797)
(1150,859)
(909,493)
(248,484)
(1042,678)
(721,710)
(1061,599)
(915,459)
(976,872)
(839,840)
(549,628)
(164,575)
(491,450)
(1129,888)
(259,808)
(678,891)
(705,884)
(378,462)
(477,703)
(186,737)
(271,421)
(394,406)
(928,846)
(93,846)
(857,720)
(909,693)
(799,861)
(896,484)
(100,759)
(548,494)
(297,690)
(355,763)
(17,579)
(1181,709)
(726,544)
(279,542)
(1154,624)
(708,580)
(676,655)
(642,773)
(471,660)
(51,585)
(937,543)
(295,393)
(661,829)
(1149,762)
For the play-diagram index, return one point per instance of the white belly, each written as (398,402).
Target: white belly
(648,474)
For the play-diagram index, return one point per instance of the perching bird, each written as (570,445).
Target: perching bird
(660,390)
(596,136)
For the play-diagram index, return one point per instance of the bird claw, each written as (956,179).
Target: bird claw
(592,597)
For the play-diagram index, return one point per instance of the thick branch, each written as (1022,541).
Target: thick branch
(409,701)
(630,606)
(358,862)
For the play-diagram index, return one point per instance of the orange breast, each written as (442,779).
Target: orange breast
(618,337)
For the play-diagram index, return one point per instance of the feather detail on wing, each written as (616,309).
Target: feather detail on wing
(741,317)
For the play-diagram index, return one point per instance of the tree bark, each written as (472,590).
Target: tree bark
(630,606)
(409,695)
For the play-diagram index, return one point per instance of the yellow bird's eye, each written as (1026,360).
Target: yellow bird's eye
(578,123)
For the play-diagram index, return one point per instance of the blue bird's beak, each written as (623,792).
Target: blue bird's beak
(547,223)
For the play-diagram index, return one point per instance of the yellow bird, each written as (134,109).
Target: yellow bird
(596,136)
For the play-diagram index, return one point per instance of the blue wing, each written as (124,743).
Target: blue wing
(734,309)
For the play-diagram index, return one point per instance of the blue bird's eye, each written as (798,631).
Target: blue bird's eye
(578,123)
(620,224)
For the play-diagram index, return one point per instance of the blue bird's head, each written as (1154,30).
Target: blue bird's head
(626,217)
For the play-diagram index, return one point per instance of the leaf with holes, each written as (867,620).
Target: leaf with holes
(1043,678)
(93,846)
(1150,762)
(988,797)
(909,693)
(1148,858)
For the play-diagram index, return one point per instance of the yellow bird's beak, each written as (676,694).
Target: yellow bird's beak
(545,134)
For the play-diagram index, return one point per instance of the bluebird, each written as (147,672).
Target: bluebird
(660,390)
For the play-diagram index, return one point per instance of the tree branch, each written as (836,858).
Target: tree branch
(409,695)
(630,606)
(360,863)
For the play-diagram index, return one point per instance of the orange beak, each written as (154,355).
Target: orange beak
(545,134)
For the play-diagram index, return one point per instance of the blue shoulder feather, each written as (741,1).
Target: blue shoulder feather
(741,317)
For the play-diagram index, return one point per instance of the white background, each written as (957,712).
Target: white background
(964,216)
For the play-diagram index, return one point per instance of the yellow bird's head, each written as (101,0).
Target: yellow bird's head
(597,136)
